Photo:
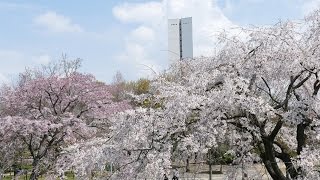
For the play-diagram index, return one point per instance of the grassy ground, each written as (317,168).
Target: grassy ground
(69,176)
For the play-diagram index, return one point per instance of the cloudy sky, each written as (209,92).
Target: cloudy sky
(129,36)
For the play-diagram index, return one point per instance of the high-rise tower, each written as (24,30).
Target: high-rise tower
(180,43)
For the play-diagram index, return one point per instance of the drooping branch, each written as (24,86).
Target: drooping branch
(269,91)
(292,87)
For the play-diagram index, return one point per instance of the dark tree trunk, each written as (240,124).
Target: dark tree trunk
(301,137)
(35,170)
(188,164)
(210,171)
(269,160)
(34,175)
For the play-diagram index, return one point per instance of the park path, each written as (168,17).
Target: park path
(255,172)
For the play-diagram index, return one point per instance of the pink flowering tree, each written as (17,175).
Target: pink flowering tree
(50,111)
(10,145)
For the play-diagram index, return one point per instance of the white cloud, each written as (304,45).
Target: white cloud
(309,6)
(228,7)
(42,59)
(136,55)
(133,51)
(12,62)
(143,33)
(151,20)
(139,12)
(56,23)
(3,79)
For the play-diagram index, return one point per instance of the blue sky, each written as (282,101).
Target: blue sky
(122,35)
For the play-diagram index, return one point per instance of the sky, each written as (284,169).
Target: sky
(129,36)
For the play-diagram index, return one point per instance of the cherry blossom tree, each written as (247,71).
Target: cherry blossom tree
(50,110)
(262,89)
(10,146)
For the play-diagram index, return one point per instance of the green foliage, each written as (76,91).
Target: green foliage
(150,103)
(26,166)
(70,175)
(121,88)
(141,86)
(219,155)
(227,158)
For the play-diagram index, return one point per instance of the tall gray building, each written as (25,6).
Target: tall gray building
(180,43)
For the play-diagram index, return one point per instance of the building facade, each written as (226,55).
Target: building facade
(180,42)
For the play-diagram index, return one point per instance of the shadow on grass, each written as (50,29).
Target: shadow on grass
(207,172)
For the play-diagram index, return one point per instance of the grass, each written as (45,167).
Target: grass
(213,172)
(69,175)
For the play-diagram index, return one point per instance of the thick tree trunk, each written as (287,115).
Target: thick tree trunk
(35,170)
(301,137)
(270,162)
(34,175)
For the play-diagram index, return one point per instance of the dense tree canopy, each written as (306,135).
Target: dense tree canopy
(48,112)
(263,88)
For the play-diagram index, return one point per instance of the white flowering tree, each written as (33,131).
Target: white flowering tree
(264,89)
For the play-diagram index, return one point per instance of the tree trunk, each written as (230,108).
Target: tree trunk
(35,170)
(1,174)
(270,162)
(188,164)
(301,136)
(210,171)
(34,175)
